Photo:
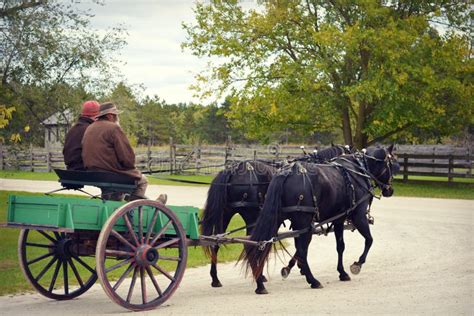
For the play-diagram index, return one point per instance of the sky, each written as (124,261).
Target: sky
(153,56)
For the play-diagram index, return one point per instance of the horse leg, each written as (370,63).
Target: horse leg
(362,225)
(260,286)
(340,246)
(285,271)
(302,248)
(215,249)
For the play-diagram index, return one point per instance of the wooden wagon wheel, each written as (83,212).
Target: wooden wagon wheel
(144,239)
(43,254)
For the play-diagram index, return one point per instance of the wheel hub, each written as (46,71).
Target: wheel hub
(63,248)
(146,255)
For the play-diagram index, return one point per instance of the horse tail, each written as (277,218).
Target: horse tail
(212,215)
(265,228)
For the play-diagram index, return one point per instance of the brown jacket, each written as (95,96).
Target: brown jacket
(106,147)
(73,144)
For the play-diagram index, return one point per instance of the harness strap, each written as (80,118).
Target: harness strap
(298,208)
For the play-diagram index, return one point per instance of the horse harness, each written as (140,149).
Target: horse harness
(362,166)
(260,196)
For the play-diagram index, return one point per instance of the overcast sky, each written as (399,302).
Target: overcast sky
(153,55)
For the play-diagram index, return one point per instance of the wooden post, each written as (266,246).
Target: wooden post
(450,168)
(32,158)
(48,158)
(254,155)
(148,156)
(227,149)
(1,156)
(198,159)
(469,170)
(172,155)
(405,169)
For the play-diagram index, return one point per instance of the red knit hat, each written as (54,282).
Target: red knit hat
(90,109)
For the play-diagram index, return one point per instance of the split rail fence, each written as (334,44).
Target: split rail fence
(440,161)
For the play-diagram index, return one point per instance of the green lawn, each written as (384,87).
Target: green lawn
(12,279)
(152,179)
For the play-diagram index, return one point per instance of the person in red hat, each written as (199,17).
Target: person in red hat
(72,150)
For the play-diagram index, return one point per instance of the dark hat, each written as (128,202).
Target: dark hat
(108,108)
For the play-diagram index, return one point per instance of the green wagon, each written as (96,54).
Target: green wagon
(137,250)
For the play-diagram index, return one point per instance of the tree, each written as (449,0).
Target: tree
(371,68)
(51,57)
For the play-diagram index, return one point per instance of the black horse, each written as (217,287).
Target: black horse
(307,193)
(241,189)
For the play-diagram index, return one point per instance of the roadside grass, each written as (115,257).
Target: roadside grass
(12,280)
(152,179)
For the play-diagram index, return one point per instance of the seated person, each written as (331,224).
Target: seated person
(105,147)
(72,150)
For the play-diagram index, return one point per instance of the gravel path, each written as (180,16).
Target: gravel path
(421,262)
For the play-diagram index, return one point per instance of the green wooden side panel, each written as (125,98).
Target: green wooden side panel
(88,214)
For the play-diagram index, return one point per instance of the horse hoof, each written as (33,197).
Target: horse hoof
(261,291)
(264,279)
(344,277)
(355,268)
(216,284)
(285,272)
(317,286)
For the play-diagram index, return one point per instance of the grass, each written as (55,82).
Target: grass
(152,179)
(12,280)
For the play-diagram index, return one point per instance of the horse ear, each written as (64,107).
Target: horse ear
(390,148)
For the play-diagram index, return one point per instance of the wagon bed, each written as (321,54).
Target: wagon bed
(72,214)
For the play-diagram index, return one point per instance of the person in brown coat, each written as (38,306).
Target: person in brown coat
(105,147)
(72,150)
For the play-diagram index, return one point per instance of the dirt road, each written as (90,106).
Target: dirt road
(421,262)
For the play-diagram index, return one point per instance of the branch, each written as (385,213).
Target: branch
(395,131)
(23,6)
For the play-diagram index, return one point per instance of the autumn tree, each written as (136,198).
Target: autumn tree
(369,67)
(51,58)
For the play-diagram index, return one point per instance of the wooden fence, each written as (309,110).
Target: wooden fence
(433,161)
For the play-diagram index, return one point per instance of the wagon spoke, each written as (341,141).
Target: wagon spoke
(153,280)
(85,265)
(46,268)
(118,253)
(164,272)
(140,224)
(161,232)
(142,277)
(123,276)
(49,254)
(66,283)
(152,224)
(56,234)
(167,243)
(118,265)
(32,244)
(132,285)
(122,239)
(130,229)
(76,273)
(55,276)
(169,258)
(47,236)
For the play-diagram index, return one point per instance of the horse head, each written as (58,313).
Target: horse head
(382,165)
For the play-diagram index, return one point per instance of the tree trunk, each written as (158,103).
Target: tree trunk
(346,126)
